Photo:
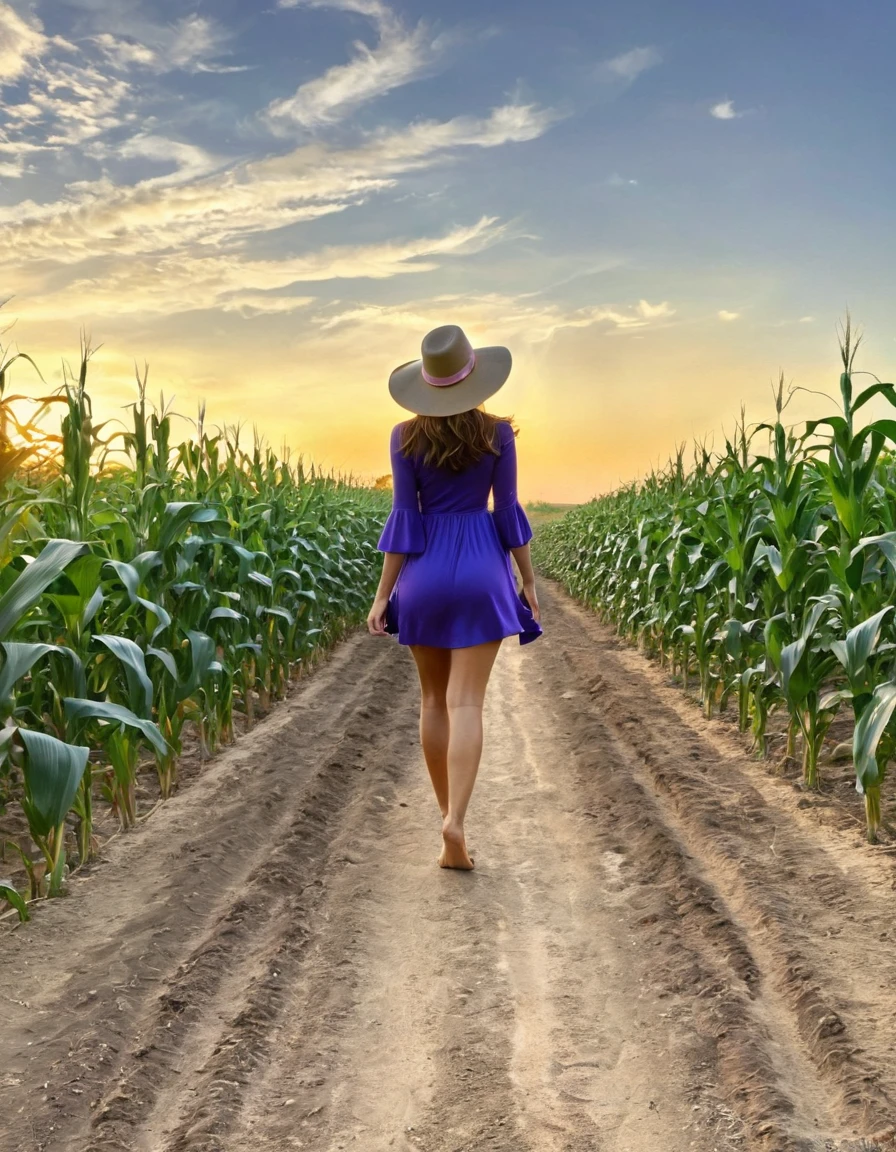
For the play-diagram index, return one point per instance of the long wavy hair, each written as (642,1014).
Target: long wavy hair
(453,442)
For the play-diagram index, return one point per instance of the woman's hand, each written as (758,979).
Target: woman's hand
(530,594)
(376,617)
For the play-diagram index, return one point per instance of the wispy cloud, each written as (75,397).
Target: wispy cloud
(193,43)
(123,54)
(513,316)
(22,42)
(654,311)
(400,56)
(66,104)
(628,66)
(728,316)
(249,304)
(189,161)
(725,110)
(372,8)
(245,199)
(169,284)
(507,124)
(12,169)
(72,94)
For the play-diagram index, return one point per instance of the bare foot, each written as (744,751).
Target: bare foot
(454,849)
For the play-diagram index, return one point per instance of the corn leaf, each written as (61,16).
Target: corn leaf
(14,898)
(115,714)
(33,582)
(133,661)
(21,658)
(868,732)
(52,772)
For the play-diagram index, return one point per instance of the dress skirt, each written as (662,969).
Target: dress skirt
(460,590)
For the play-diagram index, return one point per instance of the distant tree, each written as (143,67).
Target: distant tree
(383,482)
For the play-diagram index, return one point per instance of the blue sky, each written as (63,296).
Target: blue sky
(656,206)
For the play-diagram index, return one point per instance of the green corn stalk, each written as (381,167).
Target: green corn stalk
(11,895)
(120,731)
(856,654)
(52,772)
(873,748)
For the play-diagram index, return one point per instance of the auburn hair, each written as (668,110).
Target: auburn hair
(453,442)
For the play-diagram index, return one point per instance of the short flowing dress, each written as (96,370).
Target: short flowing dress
(456,587)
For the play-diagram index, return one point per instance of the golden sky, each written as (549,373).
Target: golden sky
(594,409)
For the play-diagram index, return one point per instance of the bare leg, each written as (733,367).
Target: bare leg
(465,696)
(433,665)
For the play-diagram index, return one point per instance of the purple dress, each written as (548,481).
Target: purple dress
(456,587)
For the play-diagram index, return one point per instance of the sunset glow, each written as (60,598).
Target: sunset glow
(656,211)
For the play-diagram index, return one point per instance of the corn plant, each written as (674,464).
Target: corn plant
(148,588)
(770,574)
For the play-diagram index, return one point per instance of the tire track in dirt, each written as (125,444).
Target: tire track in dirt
(641,958)
(185,915)
(774,882)
(238,1016)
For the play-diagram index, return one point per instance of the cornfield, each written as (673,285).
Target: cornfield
(148,590)
(768,576)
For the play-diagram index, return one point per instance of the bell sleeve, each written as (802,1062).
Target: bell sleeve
(510,519)
(403,530)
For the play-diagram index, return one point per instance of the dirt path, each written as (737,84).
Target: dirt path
(659,950)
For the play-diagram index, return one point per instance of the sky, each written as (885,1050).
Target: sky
(657,206)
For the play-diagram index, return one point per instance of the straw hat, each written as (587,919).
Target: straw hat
(451,375)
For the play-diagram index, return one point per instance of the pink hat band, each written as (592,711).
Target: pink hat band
(442,381)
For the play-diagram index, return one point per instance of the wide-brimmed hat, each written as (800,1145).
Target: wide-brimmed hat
(451,376)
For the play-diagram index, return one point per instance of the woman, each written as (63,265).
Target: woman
(447,588)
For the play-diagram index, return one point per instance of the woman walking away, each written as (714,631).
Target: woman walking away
(447,588)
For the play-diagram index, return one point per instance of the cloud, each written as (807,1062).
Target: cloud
(724,110)
(189,160)
(66,104)
(376,10)
(193,43)
(728,316)
(74,95)
(617,181)
(629,65)
(122,54)
(249,304)
(514,317)
(654,311)
(67,97)
(508,124)
(12,169)
(22,42)
(806,320)
(244,199)
(401,56)
(170,284)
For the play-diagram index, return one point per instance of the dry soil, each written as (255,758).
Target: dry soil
(662,948)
